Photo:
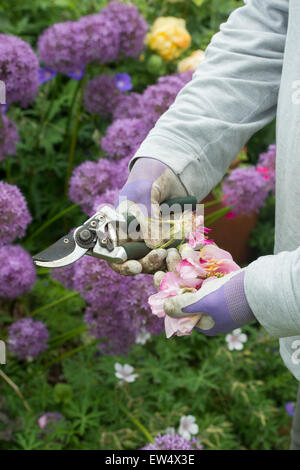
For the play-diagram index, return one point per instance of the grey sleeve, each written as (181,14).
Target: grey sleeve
(232,95)
(272,291)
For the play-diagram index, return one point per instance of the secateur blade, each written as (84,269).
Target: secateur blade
(63,252)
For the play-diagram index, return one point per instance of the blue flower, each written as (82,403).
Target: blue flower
(290,408)
(46,74)
(123,81)
(76,74)
(4,108)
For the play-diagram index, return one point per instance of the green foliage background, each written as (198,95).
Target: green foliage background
(238,397)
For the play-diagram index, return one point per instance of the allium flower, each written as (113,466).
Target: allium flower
(17,271)
(158,98)
(69,46)
(143,336)
(130,24)
(129,106)
(169,37)
(46,74)
(123,82)
(266,166)
(9,137)
(236,339)
(124,136)
(192,61)
(18,70)
(91,179)
(290,408)
(60,47)
(99,38)
(14,214)
(101,95)
(64,275)
(244,190)
(125,373)
(188,427)
(117,305)
(109,197)
(173,442)
(28,338)
(48,419)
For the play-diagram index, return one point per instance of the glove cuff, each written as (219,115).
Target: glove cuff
(237,303)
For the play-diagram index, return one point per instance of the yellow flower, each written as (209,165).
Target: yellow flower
(169,37)
(191,62)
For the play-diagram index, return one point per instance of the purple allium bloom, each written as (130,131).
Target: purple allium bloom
(60,47)
(64,275)
(130,24)
(76,74)
(129,106)
(158,98)
(123,82)
(14,214)
(101,95)
(266,166)
(46,74)
(100,37)
(290,408)
(9,137)
(124,136)
(91,179)
(48,420)
(117,305)
(18,70)
(244,190)
(173,442)
(107,198)
(17,271)
(27,338)
(72,45)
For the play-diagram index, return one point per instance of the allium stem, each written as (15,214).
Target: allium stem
(50,221)
(73,101)
(45,116)
(54,342)
(53,304)
(15,388)
(70,353)
(137,423)
(212,203)
(211,218)
(74,136)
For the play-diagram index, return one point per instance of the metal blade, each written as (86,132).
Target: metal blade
(63,252)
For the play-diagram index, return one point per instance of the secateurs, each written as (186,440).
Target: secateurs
(99,236)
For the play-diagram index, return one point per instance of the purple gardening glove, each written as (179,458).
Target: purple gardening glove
(149,184)
(221,304)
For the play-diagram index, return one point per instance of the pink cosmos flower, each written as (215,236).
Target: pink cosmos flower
(195,269)
(169,286)
(198,237)
(191,273)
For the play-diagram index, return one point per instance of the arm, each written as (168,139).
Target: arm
(232,95)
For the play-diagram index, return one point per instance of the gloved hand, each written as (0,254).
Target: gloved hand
(221,304)
(149,184)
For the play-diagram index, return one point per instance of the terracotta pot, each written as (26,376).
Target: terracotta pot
(232,234)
